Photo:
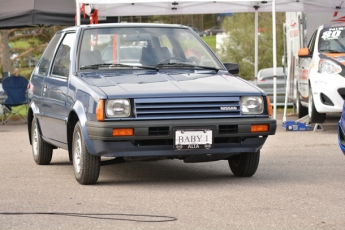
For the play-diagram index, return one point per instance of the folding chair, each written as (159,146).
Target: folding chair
(15,88)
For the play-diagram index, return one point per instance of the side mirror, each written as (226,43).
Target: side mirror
(304,52)
(233,68)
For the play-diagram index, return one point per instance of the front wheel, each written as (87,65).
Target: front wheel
(41,150)
(314,115)
(301,110)
(244,164)
(86,166)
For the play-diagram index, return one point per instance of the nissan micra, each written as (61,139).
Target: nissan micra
(172,100)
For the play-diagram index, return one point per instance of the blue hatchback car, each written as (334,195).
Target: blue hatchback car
(176,100)
(341,131)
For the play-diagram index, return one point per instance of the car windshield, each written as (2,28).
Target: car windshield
(145,46)
(332,40)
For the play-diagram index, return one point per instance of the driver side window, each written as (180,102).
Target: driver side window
(62,61)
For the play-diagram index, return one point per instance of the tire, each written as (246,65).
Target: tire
(301,110)
(314,115)
(86,166)
(41,150)
(244,164)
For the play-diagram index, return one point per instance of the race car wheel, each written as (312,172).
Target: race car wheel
(314,115)
(301,110)
(244,164)
(86,166)
(41,150)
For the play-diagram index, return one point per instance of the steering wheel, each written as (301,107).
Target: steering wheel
(167,60)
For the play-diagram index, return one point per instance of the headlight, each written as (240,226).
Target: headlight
(327,66)
(252,105)
(118,108)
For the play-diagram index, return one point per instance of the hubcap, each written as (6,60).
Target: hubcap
(35,140)
(77,153)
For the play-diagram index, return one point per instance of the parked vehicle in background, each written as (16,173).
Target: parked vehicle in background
(199,32)
(213,31)
(321,79)
(264,80)
(315,73)
(161,106)
(341,131)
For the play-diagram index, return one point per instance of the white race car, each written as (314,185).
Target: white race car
(321,79)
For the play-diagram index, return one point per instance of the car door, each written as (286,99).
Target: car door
(37,79)
(55,92)
(304,71)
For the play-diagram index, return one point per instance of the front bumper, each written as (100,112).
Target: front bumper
(155,138)
(330,85)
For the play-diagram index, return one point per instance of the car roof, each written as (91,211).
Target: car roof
(121,25)
(334,24)
(268,72)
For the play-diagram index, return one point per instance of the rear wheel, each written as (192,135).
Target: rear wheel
(86,166)
(41,150)
(314,115)
(244,164)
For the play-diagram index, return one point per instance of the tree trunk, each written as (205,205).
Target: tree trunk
(5,52)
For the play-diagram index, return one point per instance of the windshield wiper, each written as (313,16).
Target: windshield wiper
(179,64)
(96,66)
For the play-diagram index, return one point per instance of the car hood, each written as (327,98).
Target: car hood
(170,83)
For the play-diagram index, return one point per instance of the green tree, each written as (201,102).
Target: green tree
(23,46)
(239,45)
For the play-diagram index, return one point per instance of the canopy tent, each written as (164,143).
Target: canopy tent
(172,7)
(19,13)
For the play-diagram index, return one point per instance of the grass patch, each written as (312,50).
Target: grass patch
(211,42)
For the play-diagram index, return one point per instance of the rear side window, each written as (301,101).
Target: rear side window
(48,55)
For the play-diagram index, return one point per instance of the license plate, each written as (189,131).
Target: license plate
(193,139)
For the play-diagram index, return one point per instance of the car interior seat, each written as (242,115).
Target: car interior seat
(90,58)
(163,53)
(148,56)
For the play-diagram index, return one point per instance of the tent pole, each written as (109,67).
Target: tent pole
(274,59)
(77,12)
(256,44)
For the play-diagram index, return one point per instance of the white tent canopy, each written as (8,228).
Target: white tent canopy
(172,7)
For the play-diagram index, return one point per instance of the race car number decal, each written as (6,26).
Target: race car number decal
(328,35)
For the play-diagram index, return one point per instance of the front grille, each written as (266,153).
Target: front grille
(159,131)
(341,91)
(192,107)
(228,129)
(325,100)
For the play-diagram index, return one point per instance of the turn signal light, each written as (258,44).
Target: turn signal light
(269,106)
(123,132)
(100,110)
(259,128)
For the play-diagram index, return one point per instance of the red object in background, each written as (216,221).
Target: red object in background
(94,17)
